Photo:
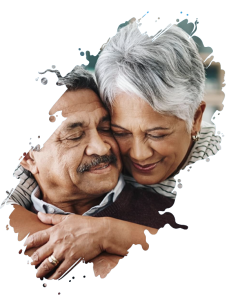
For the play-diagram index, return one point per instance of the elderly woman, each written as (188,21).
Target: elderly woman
(153,90)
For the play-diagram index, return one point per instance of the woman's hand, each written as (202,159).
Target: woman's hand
(72,238)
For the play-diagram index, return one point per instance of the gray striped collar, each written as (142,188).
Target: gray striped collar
(42,206)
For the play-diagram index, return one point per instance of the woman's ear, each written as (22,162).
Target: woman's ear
(198,118)
(29,163)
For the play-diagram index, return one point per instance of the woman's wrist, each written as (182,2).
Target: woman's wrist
(119,236)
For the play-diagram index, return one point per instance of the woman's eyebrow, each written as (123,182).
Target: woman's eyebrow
(151,129)
(157,128)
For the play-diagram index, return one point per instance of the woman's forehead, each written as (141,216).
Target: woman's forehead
(132,110)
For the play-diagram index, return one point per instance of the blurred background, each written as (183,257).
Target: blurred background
(215,76)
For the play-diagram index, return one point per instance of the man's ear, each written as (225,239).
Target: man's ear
(29,163)
(198,118)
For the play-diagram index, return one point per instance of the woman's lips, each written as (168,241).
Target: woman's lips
(145,168)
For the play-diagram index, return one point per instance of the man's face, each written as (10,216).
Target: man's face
(81,158)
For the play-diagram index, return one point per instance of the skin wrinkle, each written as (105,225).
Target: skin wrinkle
(60,148)
(166,151)
(66,114)
(58,241)
(67,237)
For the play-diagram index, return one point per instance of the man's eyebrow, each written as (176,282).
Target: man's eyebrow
(74,125)
(151,129)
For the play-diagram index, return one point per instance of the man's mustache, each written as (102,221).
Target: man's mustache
(97,160)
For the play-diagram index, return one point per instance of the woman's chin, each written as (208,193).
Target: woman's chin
(146,180)
(145,177)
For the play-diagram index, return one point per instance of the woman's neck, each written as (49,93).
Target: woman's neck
(192,143)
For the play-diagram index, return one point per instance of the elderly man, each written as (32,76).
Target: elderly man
(78,172)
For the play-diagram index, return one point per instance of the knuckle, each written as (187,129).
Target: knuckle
(35,256)
(46,267)
(68,237)
(30,240)
(72,254)
(58,241)
(66,249)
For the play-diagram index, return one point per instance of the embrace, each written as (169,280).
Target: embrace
(144,119)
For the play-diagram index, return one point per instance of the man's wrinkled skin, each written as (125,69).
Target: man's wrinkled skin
(94,240)
(71,246)
(82,136)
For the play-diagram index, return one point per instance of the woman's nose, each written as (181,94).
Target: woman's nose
(97,146)
(140,151)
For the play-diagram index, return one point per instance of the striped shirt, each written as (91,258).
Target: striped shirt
(207,145)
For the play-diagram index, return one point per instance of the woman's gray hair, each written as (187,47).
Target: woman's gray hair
(168,72)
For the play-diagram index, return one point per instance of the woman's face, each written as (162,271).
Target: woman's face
(152,145)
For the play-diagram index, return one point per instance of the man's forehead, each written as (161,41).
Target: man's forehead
(79,108)
(76,101)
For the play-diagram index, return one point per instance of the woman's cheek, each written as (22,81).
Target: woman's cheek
(123,146)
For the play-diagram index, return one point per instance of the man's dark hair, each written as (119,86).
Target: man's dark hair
(77,79)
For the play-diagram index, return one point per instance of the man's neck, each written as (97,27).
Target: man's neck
(79,206)
(77,203)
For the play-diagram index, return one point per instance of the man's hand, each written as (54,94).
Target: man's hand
(73,237)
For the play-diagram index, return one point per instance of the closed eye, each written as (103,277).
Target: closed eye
(157,136)
(104,130)
(121,134)
(127,134)
(75,138)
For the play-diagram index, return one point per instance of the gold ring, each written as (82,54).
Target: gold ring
(53,260)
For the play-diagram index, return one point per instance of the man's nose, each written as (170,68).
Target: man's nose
(97,146)
(140,151)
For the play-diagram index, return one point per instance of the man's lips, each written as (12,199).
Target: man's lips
(101,168)
(145,168)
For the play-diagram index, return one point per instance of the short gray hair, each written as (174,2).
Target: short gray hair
(168,72)
(78,78)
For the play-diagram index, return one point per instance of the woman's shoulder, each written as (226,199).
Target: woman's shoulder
(165,188)
(207,145)
(205,126)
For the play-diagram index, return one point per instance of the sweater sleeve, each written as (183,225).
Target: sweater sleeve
(21,195)
(142,207)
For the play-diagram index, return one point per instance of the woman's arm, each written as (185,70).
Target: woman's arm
(104,263)
(25,222)
(121,235)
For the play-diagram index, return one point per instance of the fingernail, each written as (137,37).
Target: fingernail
(34,257)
